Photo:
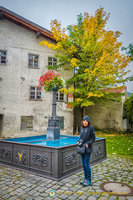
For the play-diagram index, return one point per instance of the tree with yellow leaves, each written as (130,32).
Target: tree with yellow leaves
(93,54)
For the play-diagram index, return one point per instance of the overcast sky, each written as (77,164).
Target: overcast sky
(66,11)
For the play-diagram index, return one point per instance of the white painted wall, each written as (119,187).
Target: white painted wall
(14,92)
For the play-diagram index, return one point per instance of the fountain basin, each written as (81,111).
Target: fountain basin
(54,159)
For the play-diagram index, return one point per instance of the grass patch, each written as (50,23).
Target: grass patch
(118,144)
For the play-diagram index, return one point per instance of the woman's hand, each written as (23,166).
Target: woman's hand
(86,145)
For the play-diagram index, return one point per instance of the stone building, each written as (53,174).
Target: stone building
(23,106)
(107,116)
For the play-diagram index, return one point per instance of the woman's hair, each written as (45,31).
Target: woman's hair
(82,126)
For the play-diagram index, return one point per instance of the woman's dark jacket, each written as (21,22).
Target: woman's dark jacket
(87,134)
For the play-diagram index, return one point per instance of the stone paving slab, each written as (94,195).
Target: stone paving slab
(20,185)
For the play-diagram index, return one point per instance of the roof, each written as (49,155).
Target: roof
(5,13)
(116,89)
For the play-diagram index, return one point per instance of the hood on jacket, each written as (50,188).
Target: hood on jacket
(86,118)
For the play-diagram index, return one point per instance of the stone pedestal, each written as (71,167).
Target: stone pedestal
(53,133)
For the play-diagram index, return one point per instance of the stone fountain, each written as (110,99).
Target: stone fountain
(53,155)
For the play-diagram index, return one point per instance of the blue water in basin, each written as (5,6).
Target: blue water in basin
(41,140)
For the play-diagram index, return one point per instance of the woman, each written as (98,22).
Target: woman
(87,134)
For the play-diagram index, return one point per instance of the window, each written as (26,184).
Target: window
(60,96)
(2,57)
(33,60)
(35,93)
(61,122)
(27,123)
(52,61)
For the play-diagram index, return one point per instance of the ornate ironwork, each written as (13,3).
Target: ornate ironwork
(40,160)
(53,122)
(5,153)
(98,150)
(53,130)
(71,159)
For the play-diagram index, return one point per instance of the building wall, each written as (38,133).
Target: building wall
(109,116)
(16,78)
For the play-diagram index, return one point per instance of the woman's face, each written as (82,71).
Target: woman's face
(85,123)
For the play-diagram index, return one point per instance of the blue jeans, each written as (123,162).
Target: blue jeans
(86,166)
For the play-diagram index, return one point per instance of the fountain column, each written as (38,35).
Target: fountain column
(53,130)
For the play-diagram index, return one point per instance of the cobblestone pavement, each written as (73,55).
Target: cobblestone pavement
(20,185)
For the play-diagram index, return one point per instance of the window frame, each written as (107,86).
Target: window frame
(33,61)
(36,94)
(61,118)
(4,56)
(27,126)
(58,95)
(52,60)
